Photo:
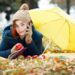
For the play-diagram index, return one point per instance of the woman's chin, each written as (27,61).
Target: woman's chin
(22,35)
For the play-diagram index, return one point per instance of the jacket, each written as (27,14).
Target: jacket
(8,41)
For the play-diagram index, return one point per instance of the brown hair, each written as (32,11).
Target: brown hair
(14,32)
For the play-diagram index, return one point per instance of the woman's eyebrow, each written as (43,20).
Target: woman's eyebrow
(21,23)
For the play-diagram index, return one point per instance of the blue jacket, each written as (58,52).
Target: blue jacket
(35,48)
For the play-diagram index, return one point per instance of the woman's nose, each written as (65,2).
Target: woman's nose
(25,26)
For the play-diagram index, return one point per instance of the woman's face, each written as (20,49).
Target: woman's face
(21,27)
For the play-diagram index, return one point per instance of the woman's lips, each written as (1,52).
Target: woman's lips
(21,32)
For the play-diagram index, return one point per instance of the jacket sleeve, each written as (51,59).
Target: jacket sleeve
(4,48)
(35,48)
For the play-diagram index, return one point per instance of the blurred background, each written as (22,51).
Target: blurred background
(9,7)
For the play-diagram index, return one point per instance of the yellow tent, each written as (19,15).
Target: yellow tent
(55,24)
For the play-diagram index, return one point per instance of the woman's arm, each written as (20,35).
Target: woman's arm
(35,48)
(4,53)
(4,48)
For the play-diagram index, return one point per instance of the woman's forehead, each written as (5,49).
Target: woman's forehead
(19,21)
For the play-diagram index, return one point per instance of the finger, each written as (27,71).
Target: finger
(29,26)
(13,49)
(27,33)
(28,30)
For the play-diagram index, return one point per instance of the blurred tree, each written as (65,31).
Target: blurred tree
(60,3)
(32,3)
(68,6)
(15,4)
(5,3)
(64,4)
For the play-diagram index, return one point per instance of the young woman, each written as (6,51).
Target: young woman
(22,31)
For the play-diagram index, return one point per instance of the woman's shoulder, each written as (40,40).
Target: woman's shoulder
(7,31)
(36,34)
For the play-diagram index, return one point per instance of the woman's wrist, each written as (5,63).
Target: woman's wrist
(28,40)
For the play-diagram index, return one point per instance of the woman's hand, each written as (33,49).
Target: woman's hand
(17,47)
(28,38)
(13,49)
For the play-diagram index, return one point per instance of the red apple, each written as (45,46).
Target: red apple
(35,56)
(29,57)
(42,57)
(18,46)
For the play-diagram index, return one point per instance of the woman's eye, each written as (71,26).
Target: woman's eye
(22,24)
